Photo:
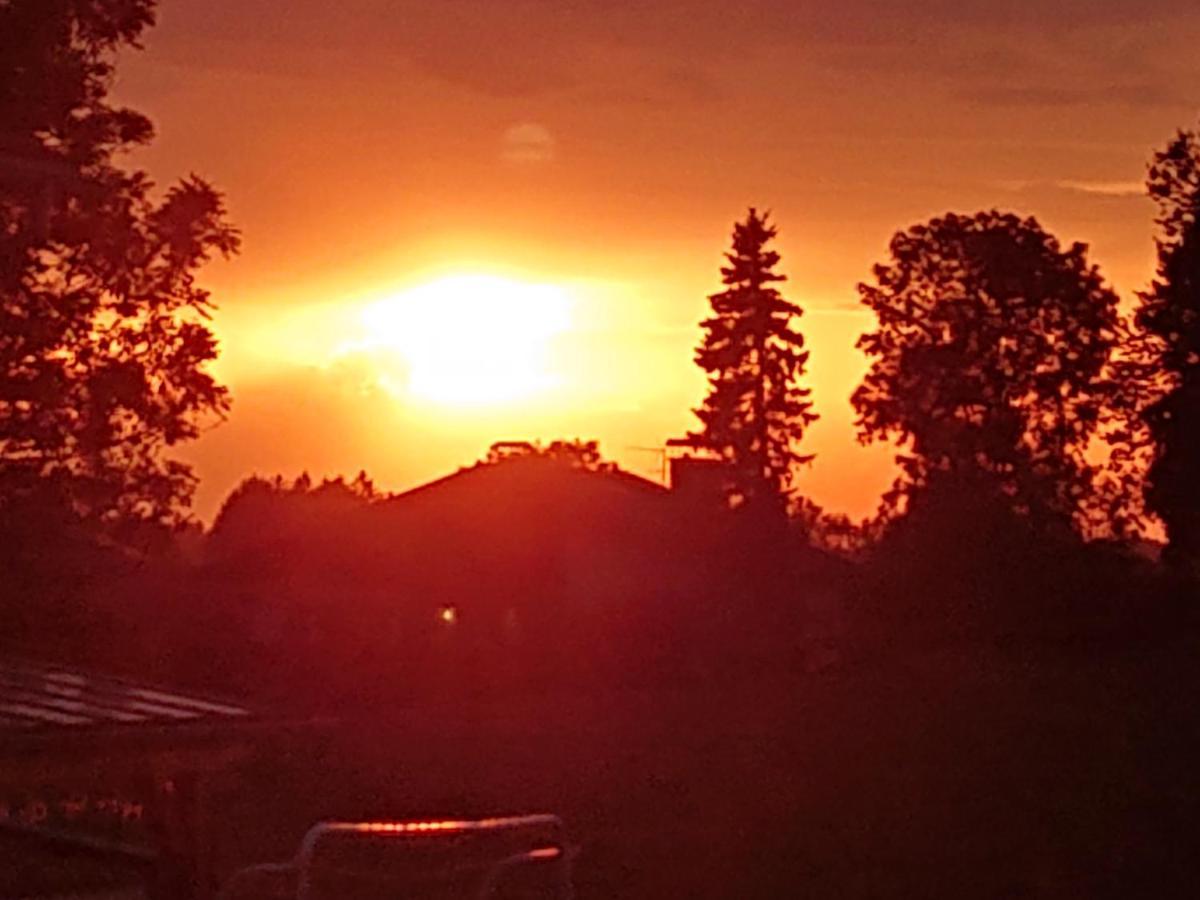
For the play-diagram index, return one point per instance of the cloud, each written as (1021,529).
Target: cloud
(1093,189)
(527,142)
(1104,188)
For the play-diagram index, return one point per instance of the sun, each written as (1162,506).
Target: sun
(470,340)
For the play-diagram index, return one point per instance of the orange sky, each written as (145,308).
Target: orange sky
(603,149)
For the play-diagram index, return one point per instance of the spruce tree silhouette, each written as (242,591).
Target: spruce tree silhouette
(1169,313)
(988,363)
(756,413)
(103,334)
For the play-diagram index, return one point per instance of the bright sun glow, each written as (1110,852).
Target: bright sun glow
(470,340)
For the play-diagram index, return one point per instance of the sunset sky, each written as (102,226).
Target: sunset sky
(471,220)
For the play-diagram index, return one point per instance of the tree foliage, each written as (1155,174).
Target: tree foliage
(989,361)
(756,412)
(1169,320)
(266,509)
(574,453)
(103,338)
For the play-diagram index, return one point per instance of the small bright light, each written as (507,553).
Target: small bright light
(448,614)
(471,340)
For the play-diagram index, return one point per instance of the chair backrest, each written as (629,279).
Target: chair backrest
(515,858)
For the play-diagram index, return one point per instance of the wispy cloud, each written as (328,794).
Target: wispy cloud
(1100,188)
(1104,188)
(528,142)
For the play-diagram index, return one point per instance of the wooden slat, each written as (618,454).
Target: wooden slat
(33,695)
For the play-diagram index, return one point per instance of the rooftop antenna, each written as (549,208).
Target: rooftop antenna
(661,453)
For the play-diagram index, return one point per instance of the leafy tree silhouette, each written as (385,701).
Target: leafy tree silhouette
(989,363)
(574,453)
(577,453)
(756,413)
(103,340)
(1166,355)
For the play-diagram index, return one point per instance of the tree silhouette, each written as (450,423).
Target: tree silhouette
(989,362)
(263,510)
(1169,315)
(575,453)
(103,340)
(755,414)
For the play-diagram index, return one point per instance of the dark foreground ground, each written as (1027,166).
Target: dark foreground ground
(962,771)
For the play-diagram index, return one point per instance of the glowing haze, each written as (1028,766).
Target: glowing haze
(475,220)
(465,342)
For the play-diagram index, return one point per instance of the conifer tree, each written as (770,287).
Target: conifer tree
(756,411)
(1169,315)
